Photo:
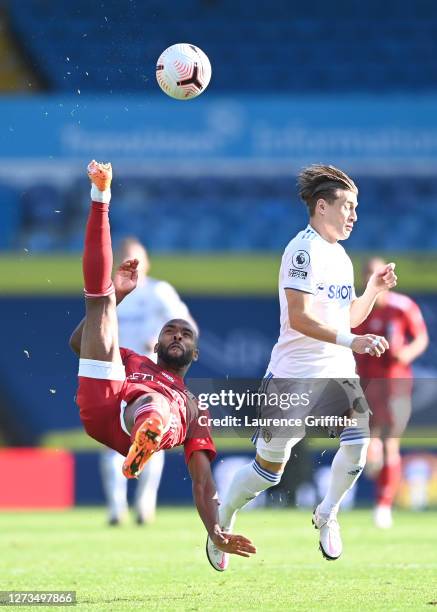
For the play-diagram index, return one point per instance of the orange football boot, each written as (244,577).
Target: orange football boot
(100,175)
(146,442)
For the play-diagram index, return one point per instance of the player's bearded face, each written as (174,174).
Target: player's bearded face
(177,345)
(175,353)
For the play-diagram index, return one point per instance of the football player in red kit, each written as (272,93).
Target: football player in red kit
(388,387)
(126,401)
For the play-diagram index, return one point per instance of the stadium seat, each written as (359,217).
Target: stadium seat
(292,42)
(217,213)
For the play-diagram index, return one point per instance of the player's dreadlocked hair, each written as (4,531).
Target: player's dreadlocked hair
(319,181)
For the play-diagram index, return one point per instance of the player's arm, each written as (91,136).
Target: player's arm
(125,281)
(305,321)
(381,280)
(418,333)
(411,351)
(205,498)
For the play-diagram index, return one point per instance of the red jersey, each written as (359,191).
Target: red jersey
(100,402)
(184,429)
(399,321)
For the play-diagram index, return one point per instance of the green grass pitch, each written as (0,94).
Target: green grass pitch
(163,567)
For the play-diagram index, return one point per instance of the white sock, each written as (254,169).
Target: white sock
(248,482)
(346,468)
(100,196)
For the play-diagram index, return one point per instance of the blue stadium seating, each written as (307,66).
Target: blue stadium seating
(263,46)
(218,214)
(260,47)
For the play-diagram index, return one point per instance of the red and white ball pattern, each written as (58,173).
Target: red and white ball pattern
(183,71)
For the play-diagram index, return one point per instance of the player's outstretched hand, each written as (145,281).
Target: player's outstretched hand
(126,277)
(234,544)
(384,278)
(371,344)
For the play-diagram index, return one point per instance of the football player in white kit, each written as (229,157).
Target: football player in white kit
(141,316)
(318,309)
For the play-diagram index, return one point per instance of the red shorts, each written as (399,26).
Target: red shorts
(101,402)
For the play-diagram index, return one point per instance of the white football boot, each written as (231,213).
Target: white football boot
(382,517)
(330,542)
(217,558)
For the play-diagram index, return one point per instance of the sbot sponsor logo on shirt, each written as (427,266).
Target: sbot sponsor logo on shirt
(301,259)
(297,273)
(340,292)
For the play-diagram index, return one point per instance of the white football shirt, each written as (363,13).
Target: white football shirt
(142,314)
(323,269)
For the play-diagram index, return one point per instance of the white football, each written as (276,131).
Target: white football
(183,71)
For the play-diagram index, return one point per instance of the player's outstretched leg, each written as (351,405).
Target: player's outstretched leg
(148,418)
(100,332)
(248,482)
(346,468)
(387,484)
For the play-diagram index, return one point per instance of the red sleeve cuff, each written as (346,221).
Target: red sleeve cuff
(199,444)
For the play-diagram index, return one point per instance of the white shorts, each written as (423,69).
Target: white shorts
(298,403)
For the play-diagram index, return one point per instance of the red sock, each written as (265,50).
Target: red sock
(141,414)
(97,256)
(387,484)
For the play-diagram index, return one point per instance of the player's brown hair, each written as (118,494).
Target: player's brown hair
(321,182)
